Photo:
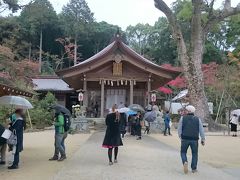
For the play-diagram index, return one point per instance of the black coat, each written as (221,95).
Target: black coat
(2,140)
(18,126)
(123,122)
(112,136)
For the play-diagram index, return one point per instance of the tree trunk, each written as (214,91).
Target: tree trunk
(30,52)
(191,58)
(40,53)
(75,51)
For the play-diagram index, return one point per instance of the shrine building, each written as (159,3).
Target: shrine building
(115,75)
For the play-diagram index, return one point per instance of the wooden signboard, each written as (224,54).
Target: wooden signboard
(117,69)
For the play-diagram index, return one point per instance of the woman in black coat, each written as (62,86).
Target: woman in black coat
(112,137)
(18,127)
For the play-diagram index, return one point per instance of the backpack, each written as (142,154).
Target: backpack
(67,122)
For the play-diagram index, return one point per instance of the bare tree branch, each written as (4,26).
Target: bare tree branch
(162,6)
(220,15)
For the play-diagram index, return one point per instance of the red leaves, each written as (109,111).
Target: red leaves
(209,75)
(68,46)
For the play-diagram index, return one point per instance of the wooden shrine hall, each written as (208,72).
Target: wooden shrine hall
(115,75)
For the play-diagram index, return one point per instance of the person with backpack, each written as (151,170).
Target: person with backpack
(59,137)
(17,127)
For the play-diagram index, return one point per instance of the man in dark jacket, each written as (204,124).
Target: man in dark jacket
(189,128)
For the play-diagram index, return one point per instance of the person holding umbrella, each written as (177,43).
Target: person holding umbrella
(112,139)
(234,122)
(138,125)
(17,127)
(59,136)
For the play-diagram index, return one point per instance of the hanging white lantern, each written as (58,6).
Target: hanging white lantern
(126,82)
(121,82)
(111,83)
(104,81)
(134,82)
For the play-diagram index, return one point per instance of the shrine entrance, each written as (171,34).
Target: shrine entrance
(115,96)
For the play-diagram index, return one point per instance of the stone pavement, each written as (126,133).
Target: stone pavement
(147,159)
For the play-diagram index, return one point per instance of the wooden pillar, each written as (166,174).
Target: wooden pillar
(85,100)
(131,92)
(102,98)
(149,90)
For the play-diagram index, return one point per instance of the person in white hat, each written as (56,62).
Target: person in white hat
(189,129)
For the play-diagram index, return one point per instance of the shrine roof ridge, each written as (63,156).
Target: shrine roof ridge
(117,43)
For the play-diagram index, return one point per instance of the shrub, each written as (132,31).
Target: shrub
(41,115)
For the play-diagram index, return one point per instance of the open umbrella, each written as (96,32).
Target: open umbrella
(123,110)
(61,109)
(136,107)
(131,112)
(236,111)
(181,95)
(150,116)
(16,102)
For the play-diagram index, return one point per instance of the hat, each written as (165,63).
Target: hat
(190,108)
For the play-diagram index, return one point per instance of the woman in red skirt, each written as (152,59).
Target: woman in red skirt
(112,137)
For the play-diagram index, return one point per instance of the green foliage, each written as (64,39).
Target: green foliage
(76,16)
(11,5)
(41,115)
(233,33)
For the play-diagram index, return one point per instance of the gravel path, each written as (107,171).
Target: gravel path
(147,159)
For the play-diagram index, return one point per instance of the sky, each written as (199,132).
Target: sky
(123,12)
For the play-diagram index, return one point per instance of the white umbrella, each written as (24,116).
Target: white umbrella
(180,95)
(15,101)
(123,110)
(236,111)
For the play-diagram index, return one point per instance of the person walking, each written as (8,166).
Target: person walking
(234,122)
(59,138)
(96,107)
(167,124)
(189,129)
(147,126)
(112,139)
(139,125)
(17,127)
(3,147)
(123,124)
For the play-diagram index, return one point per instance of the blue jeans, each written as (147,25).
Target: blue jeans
(194,147)
(59,144)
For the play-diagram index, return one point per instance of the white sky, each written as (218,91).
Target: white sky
(123,12)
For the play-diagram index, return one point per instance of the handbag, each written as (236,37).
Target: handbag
(12,139)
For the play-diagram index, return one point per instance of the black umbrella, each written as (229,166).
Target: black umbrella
(61,109)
